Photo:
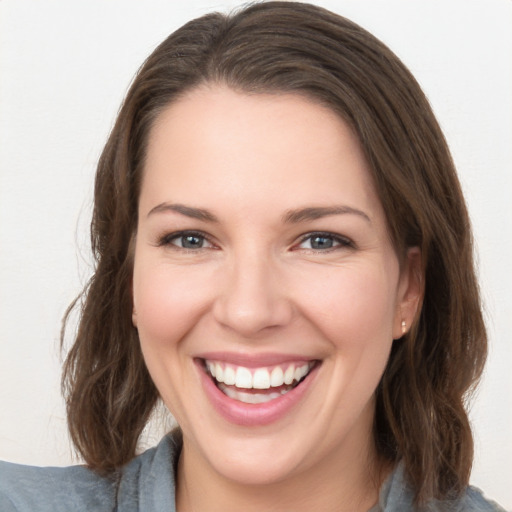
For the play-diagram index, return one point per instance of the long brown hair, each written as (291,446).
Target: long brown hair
(287,47)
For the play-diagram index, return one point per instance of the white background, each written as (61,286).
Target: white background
(64,68)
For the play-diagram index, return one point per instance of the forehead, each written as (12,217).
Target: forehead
(215,142)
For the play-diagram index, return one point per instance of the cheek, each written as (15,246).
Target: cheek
(351,306)
(168,301)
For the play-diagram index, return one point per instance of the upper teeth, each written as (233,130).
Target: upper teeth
(257,378)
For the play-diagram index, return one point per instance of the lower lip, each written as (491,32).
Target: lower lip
(252,415)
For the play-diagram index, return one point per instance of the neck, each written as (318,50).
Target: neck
(342,484)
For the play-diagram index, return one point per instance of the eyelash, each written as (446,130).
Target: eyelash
(167,240)
(339,241)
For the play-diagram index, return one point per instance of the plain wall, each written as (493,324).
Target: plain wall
(64,69)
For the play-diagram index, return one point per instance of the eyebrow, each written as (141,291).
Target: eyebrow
(188,211)
(290,217)
(317,212)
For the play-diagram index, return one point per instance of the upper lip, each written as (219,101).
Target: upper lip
(254,360)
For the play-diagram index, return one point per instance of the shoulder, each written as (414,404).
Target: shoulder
(474,500)
(133,488)
(147,484)
(27,488)
(396,495)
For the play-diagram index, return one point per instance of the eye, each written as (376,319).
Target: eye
(323,242)
(190,240)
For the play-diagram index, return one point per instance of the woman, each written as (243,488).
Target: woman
(283,256)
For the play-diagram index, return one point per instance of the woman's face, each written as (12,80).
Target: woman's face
(263,258)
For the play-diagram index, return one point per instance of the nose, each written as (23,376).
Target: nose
(252,297)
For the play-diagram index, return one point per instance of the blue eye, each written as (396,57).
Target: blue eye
(190,241)
(186,240)
(324,242)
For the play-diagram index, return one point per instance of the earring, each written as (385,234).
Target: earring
(404,327)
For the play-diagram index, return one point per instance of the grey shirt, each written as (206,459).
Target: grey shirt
(147,484)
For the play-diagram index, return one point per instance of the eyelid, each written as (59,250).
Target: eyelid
(341,241)
(167,239)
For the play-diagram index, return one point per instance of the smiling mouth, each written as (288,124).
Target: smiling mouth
(257,385)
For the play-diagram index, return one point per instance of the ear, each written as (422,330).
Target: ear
(134,317)
(131,252)
(410,292)
(134,310)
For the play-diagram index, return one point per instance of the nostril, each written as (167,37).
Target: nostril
(249,316)
(251,297)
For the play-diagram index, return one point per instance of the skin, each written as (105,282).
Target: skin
(256,284)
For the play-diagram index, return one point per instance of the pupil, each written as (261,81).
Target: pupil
(192,242)
(321,242)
